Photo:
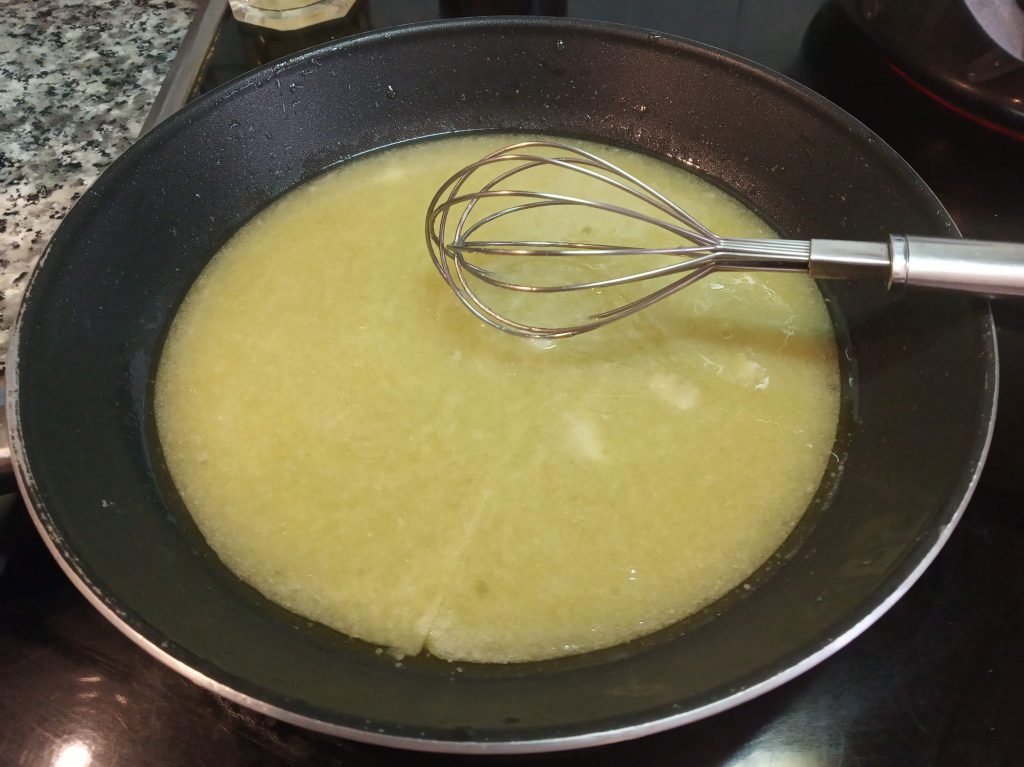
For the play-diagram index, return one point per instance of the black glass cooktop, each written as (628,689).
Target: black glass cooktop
(939,680)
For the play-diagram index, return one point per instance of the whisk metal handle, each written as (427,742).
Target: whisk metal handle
(849,260)
(970,266)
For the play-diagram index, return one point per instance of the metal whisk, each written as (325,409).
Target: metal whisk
(987,268)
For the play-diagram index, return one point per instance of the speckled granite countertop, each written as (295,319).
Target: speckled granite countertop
(78,78)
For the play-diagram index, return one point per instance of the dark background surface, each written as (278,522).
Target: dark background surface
(939,680)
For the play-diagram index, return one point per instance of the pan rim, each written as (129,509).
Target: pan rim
(52,537)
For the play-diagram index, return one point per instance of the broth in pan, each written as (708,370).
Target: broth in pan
(363,451)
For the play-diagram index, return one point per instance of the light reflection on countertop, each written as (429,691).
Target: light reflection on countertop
(73,753)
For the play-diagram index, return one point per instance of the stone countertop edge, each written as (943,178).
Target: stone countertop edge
(79,78)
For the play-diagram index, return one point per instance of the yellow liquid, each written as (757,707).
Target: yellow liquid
(359,448)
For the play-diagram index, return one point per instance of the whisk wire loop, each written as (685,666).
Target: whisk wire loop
(701,251)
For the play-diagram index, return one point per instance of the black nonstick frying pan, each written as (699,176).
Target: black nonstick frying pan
(920,376)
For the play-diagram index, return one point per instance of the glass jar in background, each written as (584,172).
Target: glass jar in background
(289,14)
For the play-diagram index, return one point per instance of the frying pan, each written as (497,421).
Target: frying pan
(920,376)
